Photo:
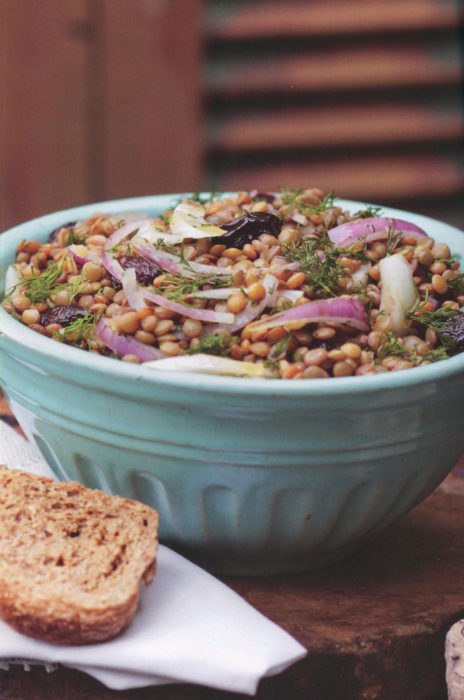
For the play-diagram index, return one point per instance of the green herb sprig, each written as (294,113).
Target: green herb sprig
(212,345)
(291,199)
(319,260)
(81,329)
(178,288)
(38,286)
(281,346)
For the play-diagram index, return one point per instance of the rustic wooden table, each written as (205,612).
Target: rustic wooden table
(374,625)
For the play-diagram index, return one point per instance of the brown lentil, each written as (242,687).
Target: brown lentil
(316,356)
(20,302)
(30,316)
(342,369)
(439,284)
(169,348)
(315,372)
(260,349)
(131,358)
(163,326)
(236,302)
(256,291)
(128,322)
(324,333)
(351,350)
(441,250)
(296,280)
(192,327)
(145,337)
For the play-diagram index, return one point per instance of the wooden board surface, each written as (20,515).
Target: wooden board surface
(231,20)
(374,625)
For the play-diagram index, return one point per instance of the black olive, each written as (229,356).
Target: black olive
(248,227)
(64,315)
(55,232)
(262,196)
(454,329)
(145,271)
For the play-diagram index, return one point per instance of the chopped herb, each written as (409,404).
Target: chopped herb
(391,345)
(292,198)
(74,288)
(393,239)
(319,260)
(80,329)
(204,198)
(436,354)
(437,320)
(447,322)
(270,364)
(456,283)
(284,306)
(74,239)
(38,287)
(368,213)
(281,346)
(213,345)
(178,288)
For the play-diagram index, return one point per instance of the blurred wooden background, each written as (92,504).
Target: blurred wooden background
(103,99)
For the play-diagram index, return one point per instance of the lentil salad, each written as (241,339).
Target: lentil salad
(285,285)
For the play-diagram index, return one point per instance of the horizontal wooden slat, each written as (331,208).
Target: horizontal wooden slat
(44,108)
(347,125)
(319,17)
(336,69)
(151,141)
(374,179)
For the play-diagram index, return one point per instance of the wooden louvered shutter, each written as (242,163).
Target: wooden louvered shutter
(359,96)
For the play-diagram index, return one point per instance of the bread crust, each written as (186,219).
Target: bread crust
(72,559)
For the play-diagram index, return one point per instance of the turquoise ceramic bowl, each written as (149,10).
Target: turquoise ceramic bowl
(248,475)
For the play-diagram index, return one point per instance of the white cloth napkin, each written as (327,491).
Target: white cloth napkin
(189,628)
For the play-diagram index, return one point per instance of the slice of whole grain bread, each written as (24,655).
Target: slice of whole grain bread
(72,559)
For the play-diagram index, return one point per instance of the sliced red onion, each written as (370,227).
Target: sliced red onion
(125,344)
(218,293)
(173,263)
(188,221)
(12,278)
(81,255)
(132,290)
(212,364)
(372,229)
(290,294)
(208,315)
(113,266)
(299,218)
(252,309)
(398,292)
(360,277)
(338,309)
(109,260)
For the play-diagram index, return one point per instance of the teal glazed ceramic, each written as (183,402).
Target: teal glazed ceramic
(248,475)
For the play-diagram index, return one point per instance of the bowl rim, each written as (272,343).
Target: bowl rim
(76,358)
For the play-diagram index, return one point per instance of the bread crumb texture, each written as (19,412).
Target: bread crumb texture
(72,559)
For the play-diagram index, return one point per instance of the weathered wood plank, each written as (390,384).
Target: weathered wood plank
(374,624)
(348,125)
(230,21)
(380,179)
(152,96)
(367,67)
(43,107)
